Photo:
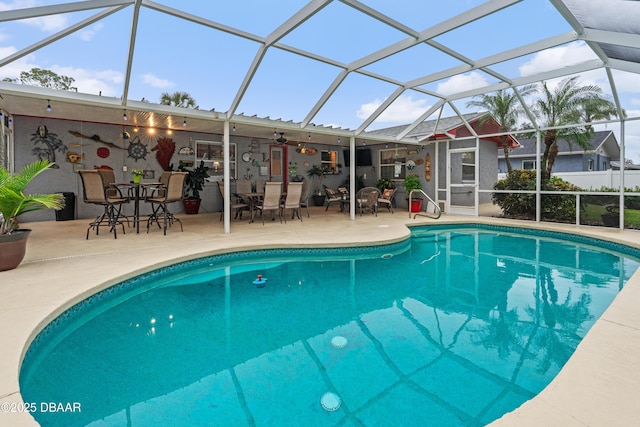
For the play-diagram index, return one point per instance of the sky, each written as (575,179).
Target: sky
(172,54)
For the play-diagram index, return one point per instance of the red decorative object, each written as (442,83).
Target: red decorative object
(103,152)
(165,149)
(191,206)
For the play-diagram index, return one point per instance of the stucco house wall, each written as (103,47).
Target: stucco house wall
(65,179)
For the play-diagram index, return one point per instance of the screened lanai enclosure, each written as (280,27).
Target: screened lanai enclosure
(365,90)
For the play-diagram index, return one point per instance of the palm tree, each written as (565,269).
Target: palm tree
(178,99)
(505,107)
(594,109)
(564,106)
(13,200)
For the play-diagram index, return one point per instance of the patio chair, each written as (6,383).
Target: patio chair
(333,197)
(237,204)
(271,200)
(367,199)
(171,192)
(306,193)
(108,196)
(292,201)
(243,186)
(260,185)
(109,180)
(388,198)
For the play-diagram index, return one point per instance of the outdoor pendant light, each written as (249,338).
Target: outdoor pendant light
(188,150)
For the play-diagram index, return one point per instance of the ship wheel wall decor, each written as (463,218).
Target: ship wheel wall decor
(137,150)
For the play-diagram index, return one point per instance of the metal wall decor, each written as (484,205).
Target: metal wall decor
(137,150)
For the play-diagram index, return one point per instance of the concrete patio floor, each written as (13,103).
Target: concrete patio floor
(597,387)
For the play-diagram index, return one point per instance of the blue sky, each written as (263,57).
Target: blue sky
(175,55)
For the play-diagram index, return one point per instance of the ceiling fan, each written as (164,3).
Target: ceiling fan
(282,139)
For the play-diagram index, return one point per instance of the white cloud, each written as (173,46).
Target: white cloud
(105,82)
(626,82)
(461,83)
(557,57)
(154,81)
(89,33)
(404,110)
(632,137)
(14,69)
(18,4)
(44,23)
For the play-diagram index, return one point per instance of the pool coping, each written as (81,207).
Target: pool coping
(576,396)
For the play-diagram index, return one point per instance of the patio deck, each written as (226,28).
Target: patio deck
(597,386)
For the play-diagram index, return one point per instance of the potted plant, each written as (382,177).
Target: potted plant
(611,218)
(137,175)
(316,174)
(13,203)
(412,182)
(384,183)
(193,185)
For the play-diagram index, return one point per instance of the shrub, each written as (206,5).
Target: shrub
(554,206)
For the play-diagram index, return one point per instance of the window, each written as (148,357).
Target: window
(528,164)
(469,166)
(329,162)
(393,163)
(211,153)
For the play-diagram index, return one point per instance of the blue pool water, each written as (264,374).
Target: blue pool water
(455,326)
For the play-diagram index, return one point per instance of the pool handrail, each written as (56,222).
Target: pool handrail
(437,212)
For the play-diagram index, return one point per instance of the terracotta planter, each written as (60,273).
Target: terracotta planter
(191,206)
(12,248)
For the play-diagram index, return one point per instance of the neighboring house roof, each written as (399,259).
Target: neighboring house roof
(628,166)
(448,128)
(601,141)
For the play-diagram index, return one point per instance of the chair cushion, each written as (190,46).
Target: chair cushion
(387,193)
(331,193)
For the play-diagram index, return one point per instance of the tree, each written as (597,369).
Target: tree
(597,109)
(505,107)
(564,106)
(178,99)
(44,78)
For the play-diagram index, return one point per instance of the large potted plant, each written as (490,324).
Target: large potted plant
(316,174)
(193,185)
(13,203)
(412,182)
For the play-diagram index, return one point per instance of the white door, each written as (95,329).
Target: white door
(462,179)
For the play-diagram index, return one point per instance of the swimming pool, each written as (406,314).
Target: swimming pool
(376,327)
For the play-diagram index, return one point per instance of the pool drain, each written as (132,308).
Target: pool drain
(339,342)
(330,402)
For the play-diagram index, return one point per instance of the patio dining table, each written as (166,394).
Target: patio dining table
(137,191)
(253,198)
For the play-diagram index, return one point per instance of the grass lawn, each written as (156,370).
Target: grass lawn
(591,214)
